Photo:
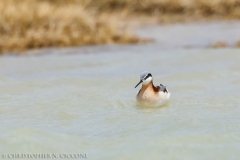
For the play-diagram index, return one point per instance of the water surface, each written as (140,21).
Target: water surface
(82,100)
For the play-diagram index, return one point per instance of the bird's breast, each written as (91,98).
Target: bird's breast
(148,96)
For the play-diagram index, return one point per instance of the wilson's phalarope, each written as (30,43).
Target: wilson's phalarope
(149,95)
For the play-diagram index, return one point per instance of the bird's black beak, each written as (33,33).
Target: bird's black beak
(139,83)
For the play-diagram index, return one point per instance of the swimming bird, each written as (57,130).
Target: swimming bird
(150,95)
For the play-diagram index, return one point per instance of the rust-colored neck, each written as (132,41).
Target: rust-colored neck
(150,86)
(147,86)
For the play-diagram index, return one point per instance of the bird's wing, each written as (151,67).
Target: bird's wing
(163,88)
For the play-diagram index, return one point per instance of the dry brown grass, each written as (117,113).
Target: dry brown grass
(171,11)
(223,44)
(28,24)
(238,44)
(220,44)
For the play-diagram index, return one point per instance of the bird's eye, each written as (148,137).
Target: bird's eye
(149,75)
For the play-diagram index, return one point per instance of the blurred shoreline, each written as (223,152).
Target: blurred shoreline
(31,24)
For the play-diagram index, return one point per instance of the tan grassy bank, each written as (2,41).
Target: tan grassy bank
(170,10)
(26,24)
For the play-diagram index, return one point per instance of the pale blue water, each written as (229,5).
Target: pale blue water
(82,100)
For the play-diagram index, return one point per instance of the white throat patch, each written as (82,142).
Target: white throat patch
(148,80)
